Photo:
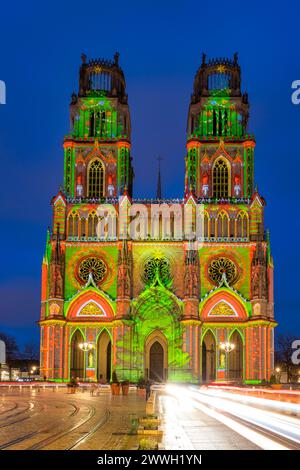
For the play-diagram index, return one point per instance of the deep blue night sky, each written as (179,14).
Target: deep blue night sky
(160,45)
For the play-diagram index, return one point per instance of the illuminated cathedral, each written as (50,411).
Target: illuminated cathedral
(137,286)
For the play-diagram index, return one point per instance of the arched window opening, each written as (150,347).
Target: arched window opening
(83,227)
(92,124)
(73,225)
(96,179)
(213,227)
(92,225)
(172,225)
(214,123)
(223,224)
(232,228)
(205,228)
(242,225)
(220,122)
(70,226)
(225,122)
(220,179)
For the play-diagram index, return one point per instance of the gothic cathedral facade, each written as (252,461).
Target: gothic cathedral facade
(124,287)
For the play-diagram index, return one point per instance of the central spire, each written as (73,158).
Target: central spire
(158,189)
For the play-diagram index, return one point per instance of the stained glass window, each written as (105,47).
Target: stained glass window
(96,179)
(220,180)
(92,265)
(156,265)
(221,265)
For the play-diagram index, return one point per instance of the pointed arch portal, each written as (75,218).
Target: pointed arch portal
(236,358)
(104,357)
(208,358)
(77,356)
(156,360)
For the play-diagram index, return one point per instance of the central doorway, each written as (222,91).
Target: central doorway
(156,363)
(156,357)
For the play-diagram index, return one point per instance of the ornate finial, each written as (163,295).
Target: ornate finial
(235,58)
(221,145)
(96,143)
(125,191)
(191,189)
(203,58)
(73,98)
(83,58)
(256,188)
(116,57)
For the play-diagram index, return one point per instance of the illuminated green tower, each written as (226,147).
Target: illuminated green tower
(100,120)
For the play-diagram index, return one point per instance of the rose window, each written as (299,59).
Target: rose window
(220,266)
(92,265)
(154,266)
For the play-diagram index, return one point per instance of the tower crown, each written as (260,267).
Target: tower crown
(97,149)
(217,77)
(102,77)
(218,108)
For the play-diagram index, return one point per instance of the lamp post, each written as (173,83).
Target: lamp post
(227,347)
(277,370)
(85,347)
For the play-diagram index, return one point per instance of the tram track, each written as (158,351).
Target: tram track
(90,433)
(10,409)
(30,406)
(55,437)
(33,433)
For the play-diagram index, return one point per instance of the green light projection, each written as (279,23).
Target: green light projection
(156,311)
(219,117)
(97,117)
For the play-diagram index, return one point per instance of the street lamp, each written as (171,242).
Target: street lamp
(278,370)
(227,347)
(85,347)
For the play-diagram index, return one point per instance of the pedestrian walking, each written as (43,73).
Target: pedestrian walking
(148,389)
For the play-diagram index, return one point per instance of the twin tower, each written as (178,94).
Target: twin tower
(158,303)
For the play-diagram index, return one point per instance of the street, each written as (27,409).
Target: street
(192,418)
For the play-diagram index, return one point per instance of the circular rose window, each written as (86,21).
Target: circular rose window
(92,265)
(156,265)
(219,266)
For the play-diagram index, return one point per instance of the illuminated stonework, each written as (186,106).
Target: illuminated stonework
(220,266)
(222,309)
(158,305)
(92,265)
(155,265)
(91,309)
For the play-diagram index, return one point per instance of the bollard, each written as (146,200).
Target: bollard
(150,405)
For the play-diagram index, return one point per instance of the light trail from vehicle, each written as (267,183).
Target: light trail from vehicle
(253,418)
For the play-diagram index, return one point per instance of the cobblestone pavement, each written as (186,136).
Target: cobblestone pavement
(57,420)
(45,419)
